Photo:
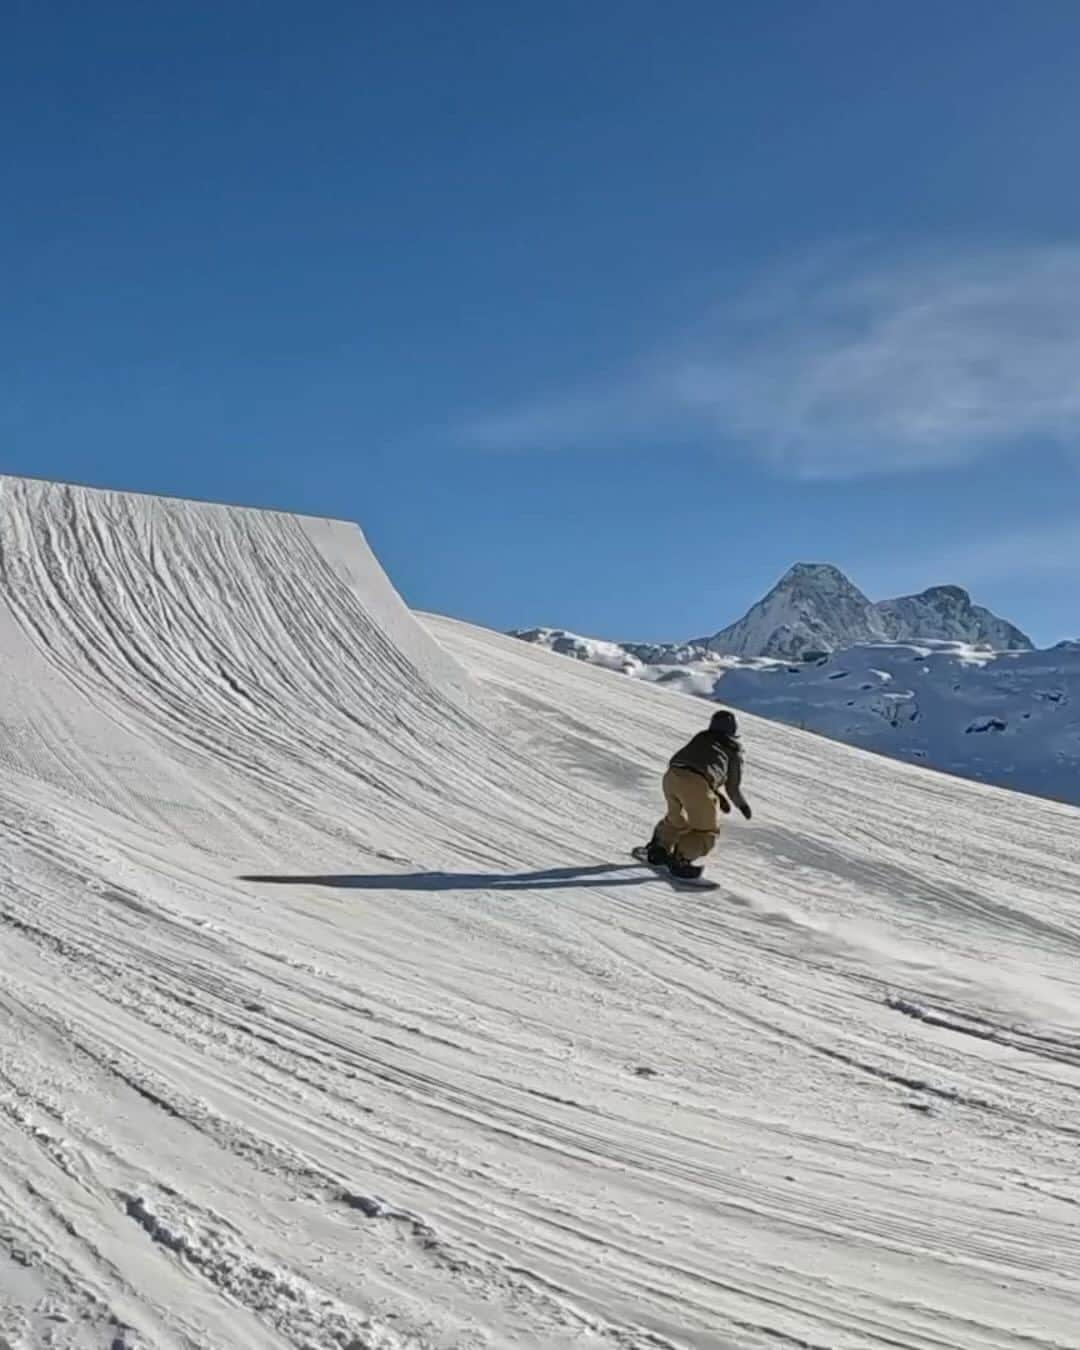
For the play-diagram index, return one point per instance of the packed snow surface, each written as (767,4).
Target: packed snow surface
(334,1014)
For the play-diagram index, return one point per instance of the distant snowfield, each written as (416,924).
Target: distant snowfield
(333,1014)
(1011,718)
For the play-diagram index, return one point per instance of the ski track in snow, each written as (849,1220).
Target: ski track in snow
(334,1014)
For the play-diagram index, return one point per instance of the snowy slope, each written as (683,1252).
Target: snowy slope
(814,607)
(1011,718)
(331,1013)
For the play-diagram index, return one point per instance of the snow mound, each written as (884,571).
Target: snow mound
(607,655)
(333,1012)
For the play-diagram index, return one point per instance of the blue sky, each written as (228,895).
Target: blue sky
(593,315)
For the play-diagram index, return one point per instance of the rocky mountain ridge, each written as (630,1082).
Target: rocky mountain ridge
(814,607)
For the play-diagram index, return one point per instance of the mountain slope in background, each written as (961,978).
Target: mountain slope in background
(931,678)
(814,607)
(1008,718)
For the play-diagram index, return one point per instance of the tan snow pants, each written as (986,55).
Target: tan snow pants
(692,822)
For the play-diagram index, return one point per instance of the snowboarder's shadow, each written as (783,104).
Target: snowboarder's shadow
(553,878)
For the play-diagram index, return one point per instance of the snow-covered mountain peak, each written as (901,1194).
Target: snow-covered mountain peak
(813,574)
(947,613)
(809,583)
(947,594)
(813,607)
(816,607)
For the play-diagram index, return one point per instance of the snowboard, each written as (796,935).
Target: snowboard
(680,883)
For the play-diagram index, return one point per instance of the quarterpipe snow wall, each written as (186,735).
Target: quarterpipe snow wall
(224,674)
(148,642)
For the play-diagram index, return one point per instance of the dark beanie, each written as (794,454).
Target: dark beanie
(723,723)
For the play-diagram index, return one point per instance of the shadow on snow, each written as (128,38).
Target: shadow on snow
(555,878)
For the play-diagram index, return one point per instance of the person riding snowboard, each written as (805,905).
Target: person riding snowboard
(703,779)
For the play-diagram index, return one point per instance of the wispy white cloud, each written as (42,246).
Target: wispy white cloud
(583,418)
(846,366)
(1046,552)
(1045,558)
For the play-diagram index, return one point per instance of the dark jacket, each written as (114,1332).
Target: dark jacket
(719,761)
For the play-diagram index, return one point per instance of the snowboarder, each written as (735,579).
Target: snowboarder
(703,780)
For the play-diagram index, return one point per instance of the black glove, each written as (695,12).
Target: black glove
(744,807)
(723,803)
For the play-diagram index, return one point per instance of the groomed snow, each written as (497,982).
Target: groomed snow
(332,1014)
